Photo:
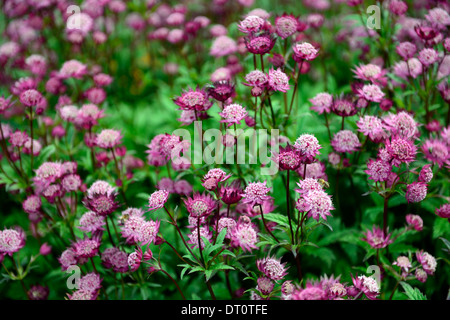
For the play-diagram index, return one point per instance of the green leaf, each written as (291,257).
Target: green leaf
(440,227)
(412,293)
(278,218)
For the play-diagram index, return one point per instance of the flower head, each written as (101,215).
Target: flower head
(414,221)
(244,235)
(309,147)
(101,198)
(304,51)
(200,205)
(11,240)
(322,102)
(157,199)
(286,25)
(345,141)
(108,138)
(272,268)
(278,80)
(427,261)
(91,222)
(233,114)
(367,285)
(378,170)
(196,100)
(376,238)
(416,192)
(256,193)
(371,92)
(260,43)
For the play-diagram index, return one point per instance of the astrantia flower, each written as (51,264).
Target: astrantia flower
(196,100)
(221,90)
(427,261)
(223,46)
(345,141)
(378,170)
(401,124)
(148,232)
(108,138)
(443,211)
(308,184)
(288,158)
(48,173)
(428,56)
(304,51)
(376,238)
(38,292)
(31,98)
(367,285)
(231,193)
(343,107)
(436,151)
(81,295)
(256,193)
(119,261)
(438,16)
(309,293)
(322,102)
(32,204)
(227,223)
(88,115)
(278,80)
(157,199)
(372,127)
(286,25)
(416,192)
(131,229)
(371,92)
(265,285)
(314,170)
(256,78)
(194,238)
(400,150)
(421,275)
(251,24)
(260,43)
(233,114)
(426,174)
(213,177)
(90,282)
(200,205)
(72,69)
(134,259)
(309,147)
(371,72)
(71,182)
(403,262)
(101,198)
(319,204)
(406,50)
(86,248)
(11,241)
(245,236)
(272,268)
(91,222)
(414,221)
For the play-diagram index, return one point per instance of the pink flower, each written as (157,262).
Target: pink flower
(443,211)
(256,193)
(214,176)
(345,141)
(367,285)
(319,204)
(86,248)
(194,237)
(223,46)
(416,192)
(101,198)
(402,124)
(414,221)
(400,150)
(426,174)
(371,72)
(200,205)
(108,138)
(244,235)
(304,51)
(436,151)
(322,102)
(376,238)
(427,261)
(11,241)
(251,24)
(286,25)
(378,170)
(196,100)
(256,78)
(233,114)
(309,147)
(31,98)
(260,43)
(91,222)
(134,259)
(371,92)
(72,69)
(272,268)
(157,199)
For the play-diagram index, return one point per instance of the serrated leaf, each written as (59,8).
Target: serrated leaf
(277,218)
(412,293)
